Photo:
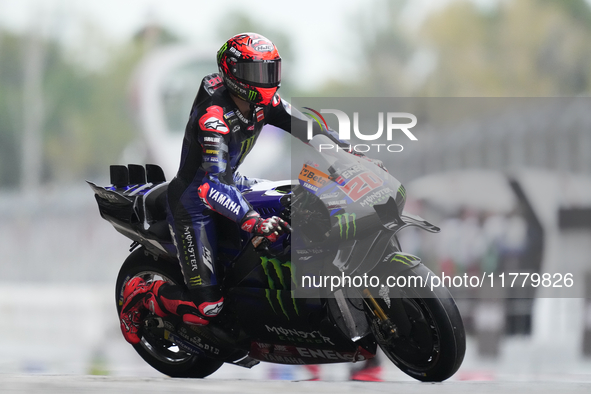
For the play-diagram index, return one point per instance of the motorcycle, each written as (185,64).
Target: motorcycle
(345,214)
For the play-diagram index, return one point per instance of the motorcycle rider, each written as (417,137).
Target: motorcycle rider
(225,121)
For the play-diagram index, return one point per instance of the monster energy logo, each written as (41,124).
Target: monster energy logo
(246,146)
(222,50)
(252,95)
(273,269)
(401,195)
(195,281)
(402,191)
(404,259)
(344,221)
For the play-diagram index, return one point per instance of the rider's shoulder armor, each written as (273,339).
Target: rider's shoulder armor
(212,82)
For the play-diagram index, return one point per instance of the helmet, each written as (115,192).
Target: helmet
(250,67)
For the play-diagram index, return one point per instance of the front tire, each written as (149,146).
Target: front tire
(163,355)
(433,346)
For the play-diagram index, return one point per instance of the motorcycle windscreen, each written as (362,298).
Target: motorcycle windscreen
(334,221)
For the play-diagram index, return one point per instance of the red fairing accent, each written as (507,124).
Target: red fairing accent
(202,192)
(213,120)
(266,95)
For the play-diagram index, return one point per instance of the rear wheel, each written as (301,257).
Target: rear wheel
(162,354)
(432,341)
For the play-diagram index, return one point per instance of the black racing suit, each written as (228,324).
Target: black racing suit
(217,139)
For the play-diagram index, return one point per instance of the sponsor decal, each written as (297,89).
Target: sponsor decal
(326,196)
(310,187)
(246,146)
(314,336)
(376,197)
(222,50)
(360,185)
(328,354)
(213,309)
(212,151)
(192,338)
(260,114)
(235,52)
(189,248)
(350,172)
(252,95)
(347,223)
(214,140)
(264,48)
(213,120)
(336,203)
(308,251)
(223,200)
(402,258)
(312,178)
(228,115)
(236,87)
(273,269)
(290,354)
(282,359)
(195,281)
(241,117)
(212,82)
(207,260)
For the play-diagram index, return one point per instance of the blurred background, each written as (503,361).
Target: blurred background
(87,84)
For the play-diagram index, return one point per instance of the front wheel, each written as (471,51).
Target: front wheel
(162,354)
(432,341)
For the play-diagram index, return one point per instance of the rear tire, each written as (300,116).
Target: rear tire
(160,353)
(434,348)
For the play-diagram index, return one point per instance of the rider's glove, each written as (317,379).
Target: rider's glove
(270,228)
(377,162)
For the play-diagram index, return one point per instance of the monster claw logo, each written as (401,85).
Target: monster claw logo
(195,281)
(344,221)
(273,268)
(403,258)
(252,95)
(245,147)
(221,51)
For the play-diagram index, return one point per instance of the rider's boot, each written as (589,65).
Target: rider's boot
(161,298)
(182,302)
(138,299)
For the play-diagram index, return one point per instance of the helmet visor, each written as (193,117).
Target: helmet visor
(259,73)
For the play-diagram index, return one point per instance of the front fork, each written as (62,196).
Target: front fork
(383,326)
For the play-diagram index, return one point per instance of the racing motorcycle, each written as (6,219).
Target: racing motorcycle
(345,214)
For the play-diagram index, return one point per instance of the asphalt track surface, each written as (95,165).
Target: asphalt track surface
(94,384)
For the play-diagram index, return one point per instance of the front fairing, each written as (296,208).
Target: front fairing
(334,206)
